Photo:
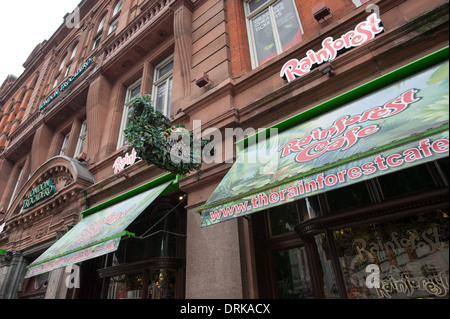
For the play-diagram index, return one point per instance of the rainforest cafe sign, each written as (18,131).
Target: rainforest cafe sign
(390,129)
(364,32)
(339,137)
(44,190)
(66,84)
(121,162)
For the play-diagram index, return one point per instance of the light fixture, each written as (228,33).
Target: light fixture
(82,157)
(327,69)
(320,11)
(202,79)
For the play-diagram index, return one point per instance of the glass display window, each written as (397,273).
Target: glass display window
(396,259)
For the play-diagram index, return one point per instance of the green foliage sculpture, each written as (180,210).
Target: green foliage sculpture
(160,143)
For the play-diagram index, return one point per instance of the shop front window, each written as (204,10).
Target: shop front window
(293,280)
(127,286)
(397,259)
(161,284)
(274,26)
(394,185)
(149,284)
(149,265)
(351,196)
(325,268)
(163,243)
(282,219)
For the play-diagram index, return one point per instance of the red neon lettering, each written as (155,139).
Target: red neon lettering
(363,32)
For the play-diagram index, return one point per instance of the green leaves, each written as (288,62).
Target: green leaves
(159,142)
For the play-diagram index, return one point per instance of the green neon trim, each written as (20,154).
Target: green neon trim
(154,183)
(349,96)
(124,233)
(2,252)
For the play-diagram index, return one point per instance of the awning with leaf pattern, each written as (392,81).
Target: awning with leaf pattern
(96,234)
(393,128)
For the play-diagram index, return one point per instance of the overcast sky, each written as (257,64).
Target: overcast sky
(23,25)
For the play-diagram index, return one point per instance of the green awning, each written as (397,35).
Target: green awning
(97,234)
(393,128)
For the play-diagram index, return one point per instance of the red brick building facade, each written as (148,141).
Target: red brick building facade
(63,120)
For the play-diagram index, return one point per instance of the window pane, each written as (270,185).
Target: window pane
(165,69)
(255,4)
(328,281)
(102,23)
(64,144)
(74,52)
(410,255)
(406,181)
(113,27)
(160,96)
(282,219)
(126,286)
(163,244)
(162,284)
(348,197)
(312,208)
(133,249)
(292,274)
(287,24)
(263,36)
(134,91)
(117,8)
(444,166)
(169,98)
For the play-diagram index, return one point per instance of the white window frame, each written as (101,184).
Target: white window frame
(358,3)
(13,195)
(157,81)
(126,111)
(97,41)
(117,8)
(251,15)
(62,64)
(67,71)
(81,138)
(64,144)
(74,51)
(101,24)
(113,26)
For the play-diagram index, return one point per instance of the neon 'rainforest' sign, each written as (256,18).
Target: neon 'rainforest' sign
(363,32)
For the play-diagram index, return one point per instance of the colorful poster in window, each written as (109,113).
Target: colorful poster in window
(397,259)
(263,36)
(288,25)
(400,126)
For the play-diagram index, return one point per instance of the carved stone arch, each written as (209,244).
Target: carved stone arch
(60,208)
(103,10)
(34,81)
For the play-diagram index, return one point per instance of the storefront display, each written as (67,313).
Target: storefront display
(95,235)
(397,127)
(410,255)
